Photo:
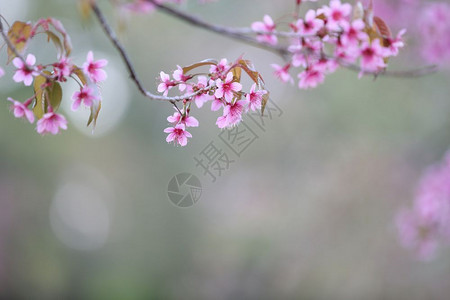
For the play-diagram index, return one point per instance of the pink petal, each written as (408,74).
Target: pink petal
(31,59)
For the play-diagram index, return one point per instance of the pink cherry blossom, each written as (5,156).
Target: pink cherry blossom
(217,104)
(311,77)
(372,55)
(201,98)
(264,29)
(85,95)
(337,14)
(227,88)
(353,33)
(310,25)
(177,134)
(166,84)
(25,71)
(62,68)
(93,69)
(232,114)
(220,68)
(395,44)
(254,98)
(179,76)
(21,109)
(187,120)
(51,123)
(282,73)
(2,72)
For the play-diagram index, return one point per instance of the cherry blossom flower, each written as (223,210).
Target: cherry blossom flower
(394,44)
(372,55)
(337,14)
(166,84)
(216,104)
(187,120)
(353,33)
(227,88)
(25,71)
(310,77)
(310,25)
(232,114)
(177,134)
(93,69)
(62,68)
(85,95)
(21,109)
(51,123)
(267,26)
(282,73)
(254,98)
(220,68)
(201,98)
(178,75)
(2,72)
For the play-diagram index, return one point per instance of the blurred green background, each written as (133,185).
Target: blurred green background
(306,212)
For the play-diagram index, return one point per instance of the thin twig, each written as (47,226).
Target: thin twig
(133,75)
(238,34)
(242,35)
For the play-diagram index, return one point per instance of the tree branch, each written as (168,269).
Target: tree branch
(242,35)
(133,75)
(237,34)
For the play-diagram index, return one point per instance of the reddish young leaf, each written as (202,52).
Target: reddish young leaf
(200,64)
(18,34)
(382,27)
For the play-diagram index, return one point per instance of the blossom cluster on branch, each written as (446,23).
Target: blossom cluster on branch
(220,86)
(333,35)
(47,78)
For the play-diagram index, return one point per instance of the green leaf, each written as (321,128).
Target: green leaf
(39,106)
(80,74)
(56,40)
(95,110)
(54,95)
(46,93)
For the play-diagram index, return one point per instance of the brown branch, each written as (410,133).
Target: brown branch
(242,35)
(237,34)
(133,75)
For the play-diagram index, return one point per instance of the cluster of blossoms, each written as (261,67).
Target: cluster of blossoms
(47,78)
(333,35)
(220,86)
(428,222)
(429,21)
